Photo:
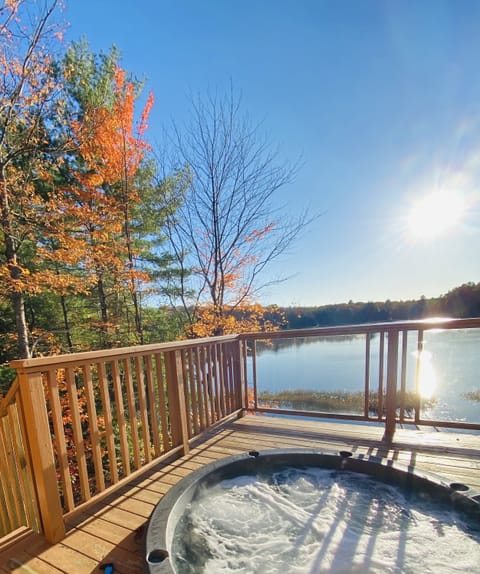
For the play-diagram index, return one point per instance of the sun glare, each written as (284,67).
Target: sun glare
(427,378)
(435,213)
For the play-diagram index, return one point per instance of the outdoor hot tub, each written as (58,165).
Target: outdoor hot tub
(281,511)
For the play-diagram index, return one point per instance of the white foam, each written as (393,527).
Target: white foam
(319,521)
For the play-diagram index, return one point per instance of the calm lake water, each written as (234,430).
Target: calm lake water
(450,369)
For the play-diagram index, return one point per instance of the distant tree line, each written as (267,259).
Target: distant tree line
(460,302)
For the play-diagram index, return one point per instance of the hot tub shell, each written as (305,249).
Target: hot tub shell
(164,518)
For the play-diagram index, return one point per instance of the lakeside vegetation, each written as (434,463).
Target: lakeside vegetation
(472,396)
(334,401)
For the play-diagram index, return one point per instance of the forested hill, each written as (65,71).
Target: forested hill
(461,302)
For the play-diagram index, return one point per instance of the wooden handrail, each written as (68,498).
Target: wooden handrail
(123,352)
(85,357)
(414,325)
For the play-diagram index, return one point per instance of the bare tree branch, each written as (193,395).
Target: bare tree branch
(230,226)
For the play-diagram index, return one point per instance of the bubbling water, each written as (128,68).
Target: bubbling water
(315,520)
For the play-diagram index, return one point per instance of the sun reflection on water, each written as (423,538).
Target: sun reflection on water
(426,377)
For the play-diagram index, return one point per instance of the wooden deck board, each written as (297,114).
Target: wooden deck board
(112,531)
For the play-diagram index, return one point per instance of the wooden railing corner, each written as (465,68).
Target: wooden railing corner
(34,409)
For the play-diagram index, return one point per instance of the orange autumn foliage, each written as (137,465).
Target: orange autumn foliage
(27,88)
(110,142)
(88,218)
(245,318)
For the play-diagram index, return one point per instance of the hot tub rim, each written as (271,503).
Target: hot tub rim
(164,516)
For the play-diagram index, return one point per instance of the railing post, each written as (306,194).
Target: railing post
(39,441)
(177,409)
(392,374)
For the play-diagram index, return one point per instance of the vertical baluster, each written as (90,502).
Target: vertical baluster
(381,360)
(199,377)
(132,413)
(60,445)
(391,396)
(403,375)
(176,400)
(186,388)
(366,408)
(244,360)
(121,418)
(227,370)
(30,501)
(215,378)
(10,496)
(107,417)
(142,405)
(192,376)
(210,384)
(166,440)
(152,406)
(417,377)
(220,369)
(93,428)
(73,399)
(254,371)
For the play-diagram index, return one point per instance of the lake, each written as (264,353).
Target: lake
(450,369)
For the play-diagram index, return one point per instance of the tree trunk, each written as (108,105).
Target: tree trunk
(131,265)
(66,322)
(21,323)
(102,298)
(15,272)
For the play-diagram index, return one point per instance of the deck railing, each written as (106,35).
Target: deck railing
(74,427)
(91,420)
(386,397)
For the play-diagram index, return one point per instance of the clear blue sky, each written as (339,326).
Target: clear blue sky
(380,98)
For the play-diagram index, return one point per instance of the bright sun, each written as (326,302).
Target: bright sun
(435,213)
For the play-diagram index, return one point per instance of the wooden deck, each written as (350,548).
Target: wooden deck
(111,531)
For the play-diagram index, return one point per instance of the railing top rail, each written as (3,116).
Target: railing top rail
(44,363)
(392,326)
(56,361)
